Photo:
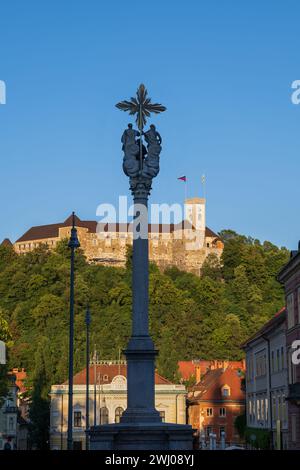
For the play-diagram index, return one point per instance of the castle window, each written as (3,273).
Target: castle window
(207,244)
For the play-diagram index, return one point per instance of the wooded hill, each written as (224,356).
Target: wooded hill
(205,317)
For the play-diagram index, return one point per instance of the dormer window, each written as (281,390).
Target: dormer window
(225,391)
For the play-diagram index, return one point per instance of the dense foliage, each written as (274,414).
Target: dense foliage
(190,317)
(258,438)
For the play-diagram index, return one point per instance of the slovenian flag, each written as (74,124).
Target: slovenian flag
(182,178)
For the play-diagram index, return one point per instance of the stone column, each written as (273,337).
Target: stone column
(140,352)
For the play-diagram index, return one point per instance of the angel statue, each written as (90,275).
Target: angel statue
(131,151)
(151,165)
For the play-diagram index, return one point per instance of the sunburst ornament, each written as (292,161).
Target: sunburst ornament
(141,106)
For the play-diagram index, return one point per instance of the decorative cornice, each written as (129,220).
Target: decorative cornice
(140,187)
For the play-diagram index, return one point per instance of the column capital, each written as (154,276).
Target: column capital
(140,187)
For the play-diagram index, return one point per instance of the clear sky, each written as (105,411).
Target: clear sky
(223,69)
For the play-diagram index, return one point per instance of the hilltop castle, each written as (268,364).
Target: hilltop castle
(184,245)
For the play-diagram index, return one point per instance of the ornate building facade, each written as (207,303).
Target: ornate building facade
(107,401)
(184,245)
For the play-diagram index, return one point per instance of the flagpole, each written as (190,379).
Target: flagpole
(185,190)
(203,181)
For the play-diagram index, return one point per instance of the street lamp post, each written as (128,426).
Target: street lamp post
(73,244)
(87,411)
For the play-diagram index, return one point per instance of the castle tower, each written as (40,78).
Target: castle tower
(194,211)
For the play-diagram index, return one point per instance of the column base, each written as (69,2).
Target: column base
(140,355)
(141,436)
(138,415)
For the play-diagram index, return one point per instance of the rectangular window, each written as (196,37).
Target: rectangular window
(290,310)
(209,412)
(282,357)
(266,409)
(274,408)
(208,431)
(249,410)
(11,423)
(298,304)
(262,407)
(77,419)
(222,412)
(260,361)
(279,408)
(277,360)
(258,372)
(294,427)
(258,408)
(284,410)
(222,431)
(292,368)
(272,362)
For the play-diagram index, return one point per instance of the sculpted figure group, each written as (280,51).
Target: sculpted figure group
(131,148)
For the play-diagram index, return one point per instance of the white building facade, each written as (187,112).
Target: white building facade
(107,401)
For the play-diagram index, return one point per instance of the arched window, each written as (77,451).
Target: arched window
(118,414)
(104,415)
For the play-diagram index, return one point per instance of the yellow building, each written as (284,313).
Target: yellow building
(107,401)
(184,245)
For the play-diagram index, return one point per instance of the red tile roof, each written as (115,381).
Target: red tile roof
(106,373)
(21,376)
(41,232)
(6,242)
(210,386)
(188,368)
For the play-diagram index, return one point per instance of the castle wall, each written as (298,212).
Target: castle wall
(182,250)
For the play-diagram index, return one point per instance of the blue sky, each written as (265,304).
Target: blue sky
(223,69)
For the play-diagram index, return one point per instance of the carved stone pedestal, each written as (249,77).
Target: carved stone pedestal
(141,436)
